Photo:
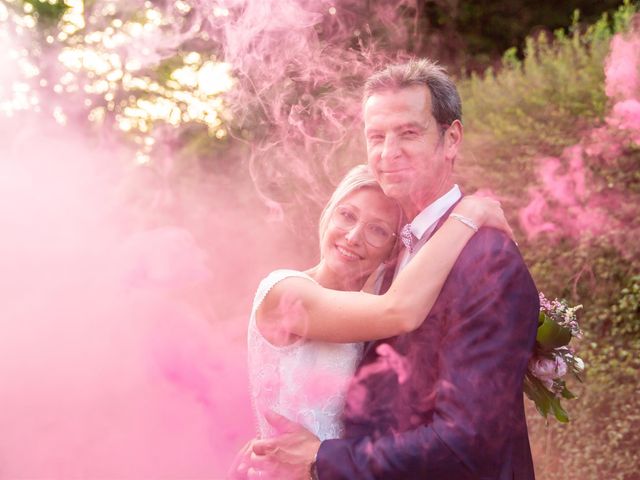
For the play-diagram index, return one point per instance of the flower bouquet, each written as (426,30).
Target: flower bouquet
(553,358)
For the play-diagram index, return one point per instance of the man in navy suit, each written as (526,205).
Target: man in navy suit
(450,405)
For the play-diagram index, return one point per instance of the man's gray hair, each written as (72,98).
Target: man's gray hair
(445,100)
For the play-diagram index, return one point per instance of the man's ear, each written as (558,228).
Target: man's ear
(452,140)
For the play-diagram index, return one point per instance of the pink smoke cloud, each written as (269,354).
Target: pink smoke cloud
(566,202)
(111,366)
(622,84)
(625,115)
(621,67)
(388,361)
(532,216)
(125,304)
(570,200)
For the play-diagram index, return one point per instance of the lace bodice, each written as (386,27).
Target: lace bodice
(305,381)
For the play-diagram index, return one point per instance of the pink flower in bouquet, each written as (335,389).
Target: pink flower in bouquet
(548,369)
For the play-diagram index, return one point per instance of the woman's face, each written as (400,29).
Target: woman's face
(354,243)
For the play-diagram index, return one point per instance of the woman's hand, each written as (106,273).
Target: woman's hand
(484,212)
(240,466)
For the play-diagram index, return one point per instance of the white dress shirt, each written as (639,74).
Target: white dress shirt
(425,222)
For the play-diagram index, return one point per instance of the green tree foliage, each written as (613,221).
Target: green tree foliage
(542,102)
(48,13)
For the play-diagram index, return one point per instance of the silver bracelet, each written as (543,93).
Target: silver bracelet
(467,221)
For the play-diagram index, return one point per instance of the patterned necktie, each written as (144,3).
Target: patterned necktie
(408,238)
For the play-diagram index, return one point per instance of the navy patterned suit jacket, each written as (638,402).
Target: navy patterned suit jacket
(450,405)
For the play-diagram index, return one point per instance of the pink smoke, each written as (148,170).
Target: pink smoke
(570,199)
(532,216)
(300,65)
(621,67)
(113,364)
(565,201)
(622,84)
(124,305)
(388,360)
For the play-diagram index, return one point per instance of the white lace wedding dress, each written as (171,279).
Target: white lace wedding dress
(305,381)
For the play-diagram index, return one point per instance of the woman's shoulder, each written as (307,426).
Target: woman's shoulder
(269,281)
(272,279)
(284,273)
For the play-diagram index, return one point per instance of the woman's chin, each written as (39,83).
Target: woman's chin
(351,273)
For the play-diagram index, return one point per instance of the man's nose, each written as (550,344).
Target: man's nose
(354,234)
(390,147)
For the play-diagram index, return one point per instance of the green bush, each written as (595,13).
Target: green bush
(541,103)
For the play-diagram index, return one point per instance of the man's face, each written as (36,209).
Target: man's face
(409,156)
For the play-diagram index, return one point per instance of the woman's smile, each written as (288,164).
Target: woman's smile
(349,255)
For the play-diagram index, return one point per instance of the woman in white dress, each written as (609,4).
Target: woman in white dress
(306,328)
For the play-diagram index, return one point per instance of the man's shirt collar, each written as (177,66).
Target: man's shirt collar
(428,217)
